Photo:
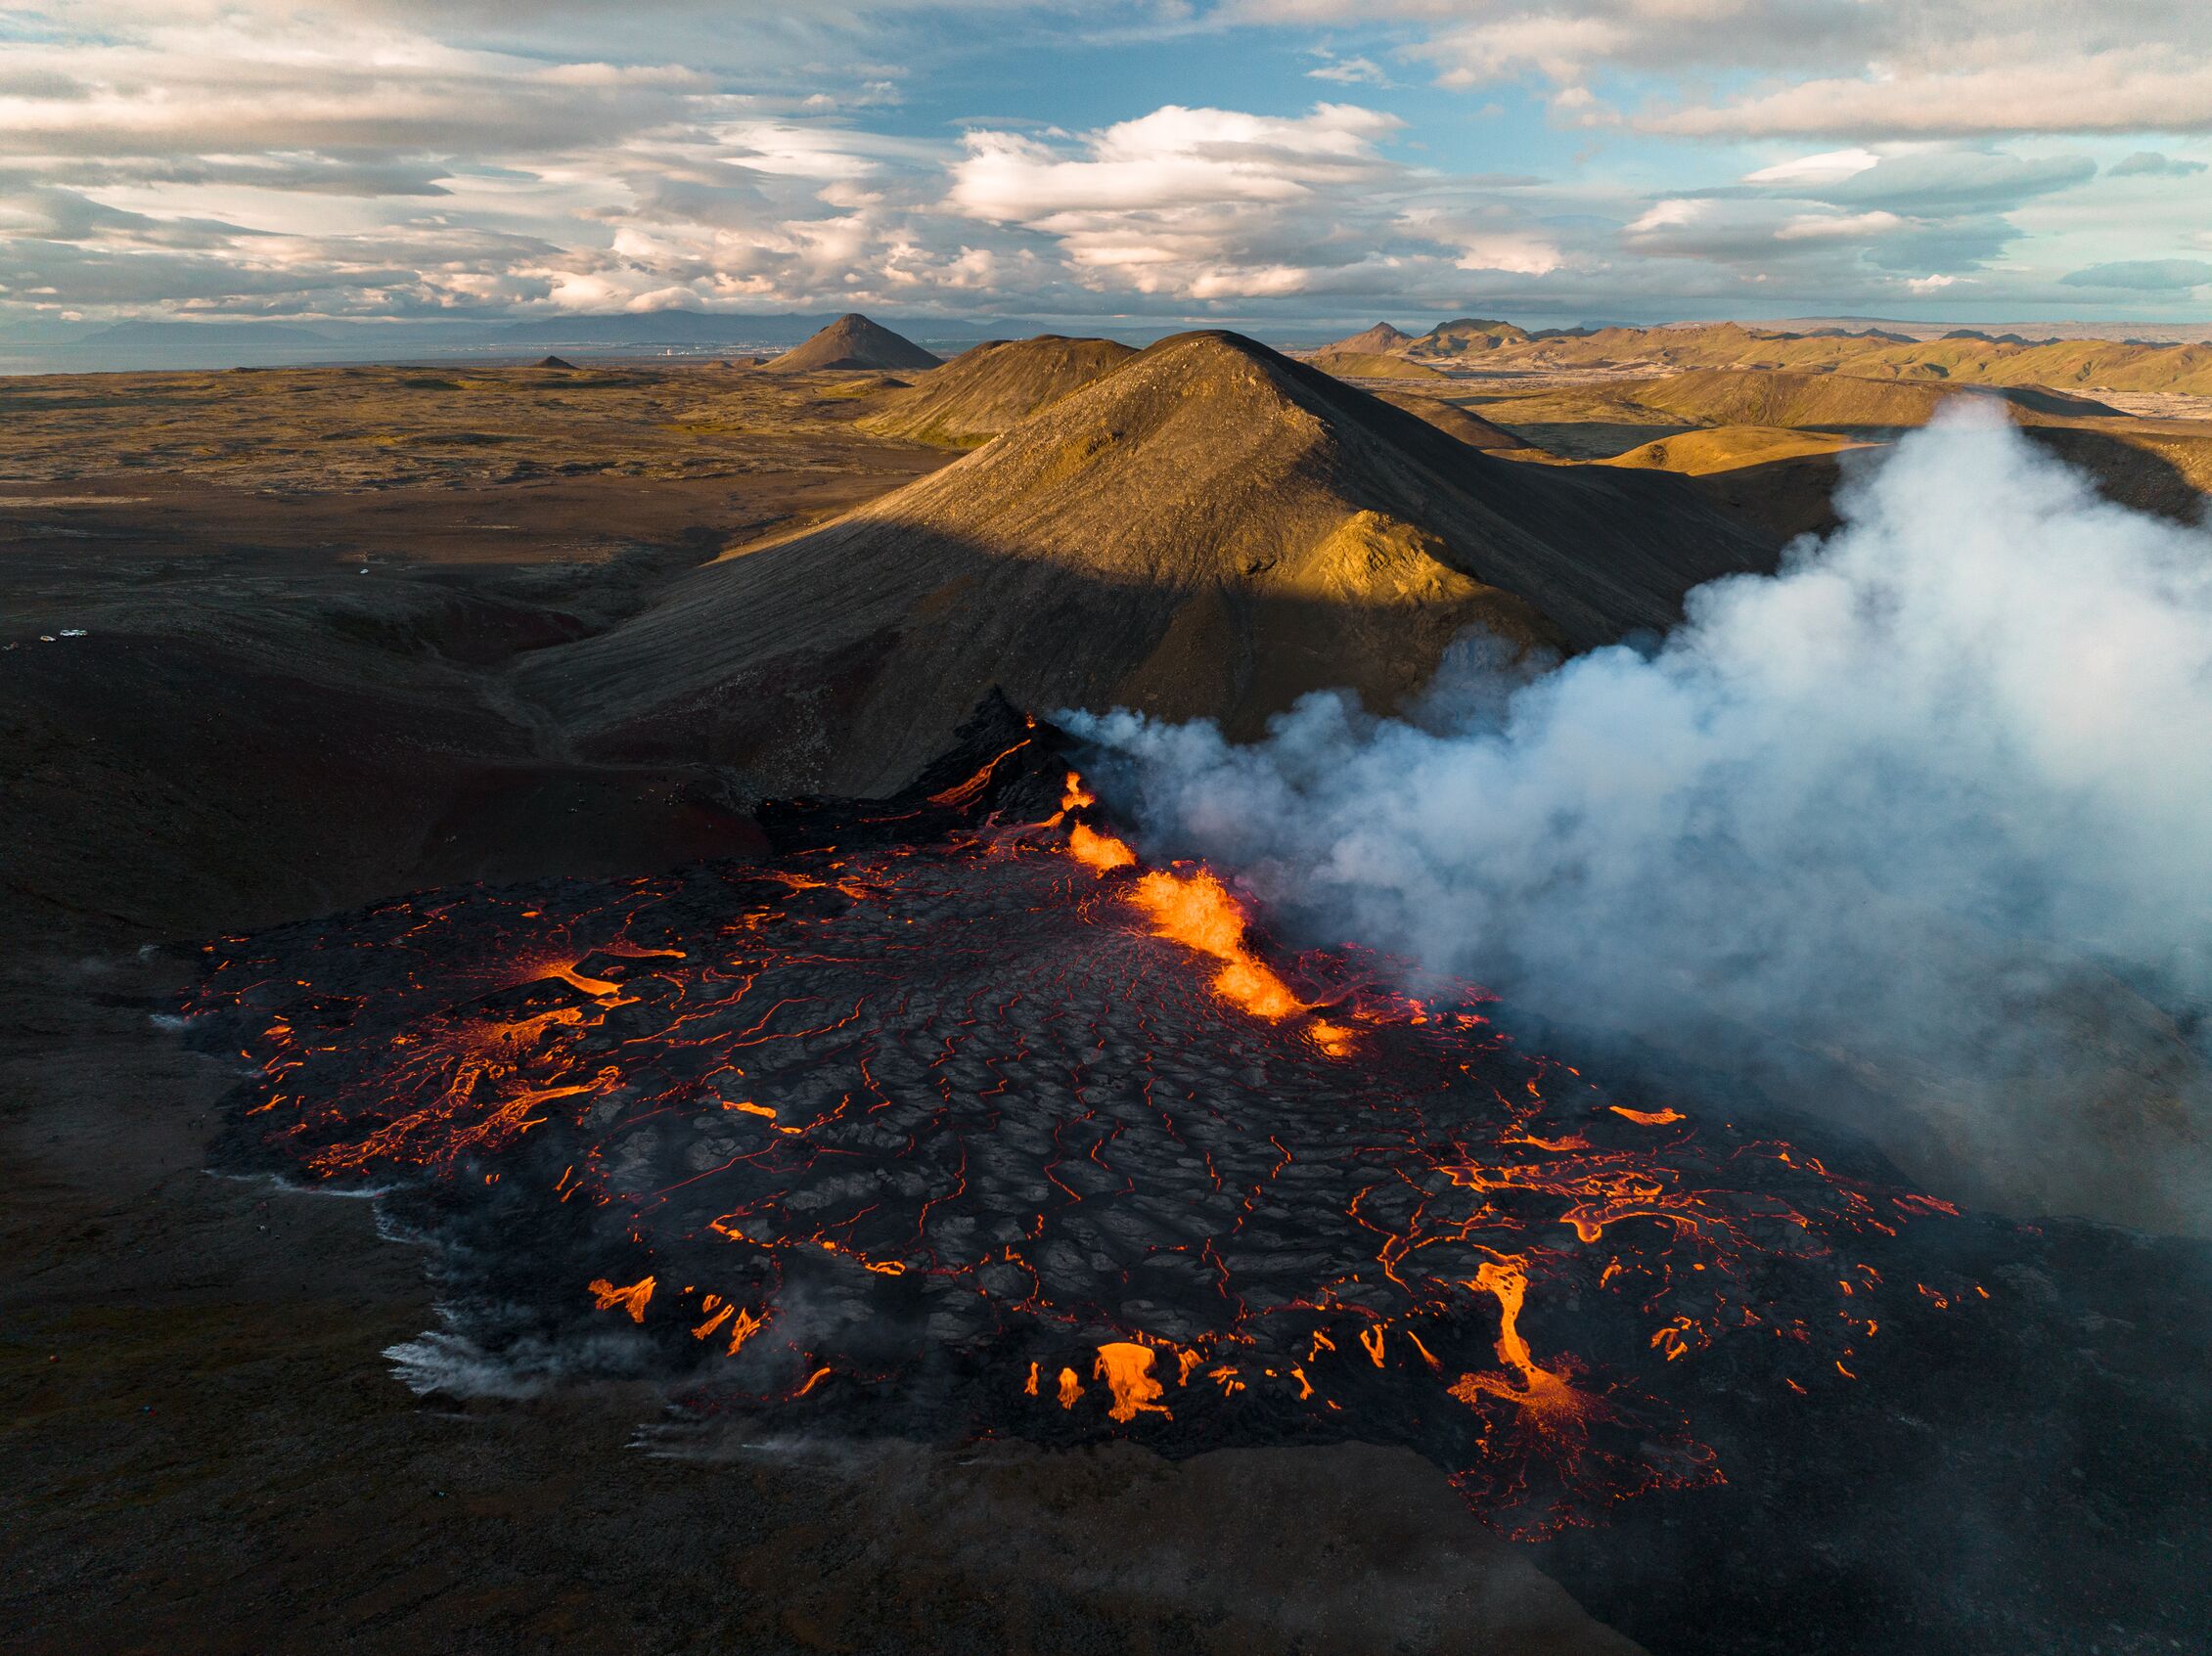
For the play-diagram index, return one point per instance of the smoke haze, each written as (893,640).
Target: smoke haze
(1925,818)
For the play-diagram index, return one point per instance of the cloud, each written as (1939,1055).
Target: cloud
(1951,180)
(1759,234)
(1845,68)
(1202,202)
(616,180)
(1867,214)
(2143,275)
(2150,164)
(1811,171)
(2133,91)
(1349,72)
(1174,156)
(738,152)
(1519,252)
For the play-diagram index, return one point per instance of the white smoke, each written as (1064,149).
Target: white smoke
(1930,809)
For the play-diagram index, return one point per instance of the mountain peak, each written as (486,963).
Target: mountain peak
(995,386)
(1209,528)
(853,341)
(1382,339)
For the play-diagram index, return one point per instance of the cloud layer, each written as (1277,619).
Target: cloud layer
(391,157)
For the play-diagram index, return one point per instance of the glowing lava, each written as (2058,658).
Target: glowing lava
(928,1124)
(1100,851)
(1127,1370)
(1197,910)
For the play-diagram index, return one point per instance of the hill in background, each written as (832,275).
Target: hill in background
(1370,365)
(996,386)
(1964,356)
(1449,417)
(1780,398)
(1377,341)
(852,341)
(1468,335)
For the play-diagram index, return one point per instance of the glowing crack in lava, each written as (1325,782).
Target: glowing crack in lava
(958,1119)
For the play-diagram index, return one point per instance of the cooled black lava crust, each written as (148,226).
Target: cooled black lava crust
(921,1128)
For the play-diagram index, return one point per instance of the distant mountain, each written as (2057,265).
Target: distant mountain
(853,341)
(40,330)
(1379,341)
(1861,352)
(217,334)
(660,327)
(1466,336)
(1780,397)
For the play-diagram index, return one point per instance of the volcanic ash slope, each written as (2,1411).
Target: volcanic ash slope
(852,341)
(1454,420)
(995,386)
(1211,529)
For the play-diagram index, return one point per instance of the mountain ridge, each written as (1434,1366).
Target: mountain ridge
(1209,530)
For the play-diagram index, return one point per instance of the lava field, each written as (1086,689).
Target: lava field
(955,1119)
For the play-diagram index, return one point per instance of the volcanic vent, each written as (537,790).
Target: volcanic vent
(957,1118)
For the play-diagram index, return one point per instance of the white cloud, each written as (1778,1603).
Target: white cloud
(2143,275)
(1845,227)
(1172,157)
(1349,72)
(1848,68)
(1758,235)
(1207,203)
(2150,164)
(1828,167)
(1519,252)
(2130,91)
(386,157)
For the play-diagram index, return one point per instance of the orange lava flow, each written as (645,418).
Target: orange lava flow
(960,794)
(632,1299)
(1127,1367)
(1551,1402)
(1100,851)
(1197,910)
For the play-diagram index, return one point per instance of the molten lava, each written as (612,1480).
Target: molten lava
(1127,1370)
(1100,851)
(957,1105)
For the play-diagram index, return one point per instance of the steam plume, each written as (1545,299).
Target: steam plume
(1925,818)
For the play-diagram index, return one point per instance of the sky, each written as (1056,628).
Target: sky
(1267,162)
